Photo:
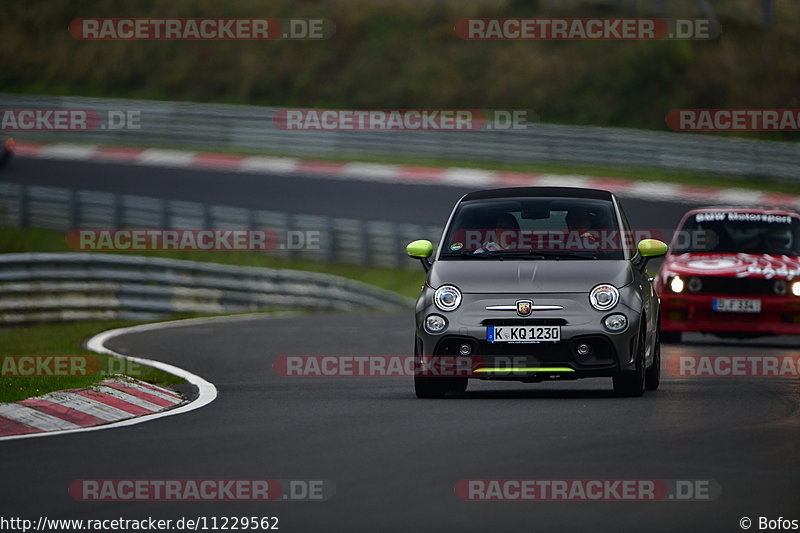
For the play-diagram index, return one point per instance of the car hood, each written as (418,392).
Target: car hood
(733,265)
(508,276)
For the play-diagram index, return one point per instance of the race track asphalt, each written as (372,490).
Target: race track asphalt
(394,459)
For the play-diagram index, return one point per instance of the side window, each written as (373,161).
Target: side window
(626,230)
(625,226)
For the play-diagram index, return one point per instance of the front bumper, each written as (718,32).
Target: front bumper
(609,353)
(780,315)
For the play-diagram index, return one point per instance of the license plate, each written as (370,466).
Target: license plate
(523,333)
(730,305)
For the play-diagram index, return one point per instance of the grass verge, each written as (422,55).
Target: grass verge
(63,340)
(67,339)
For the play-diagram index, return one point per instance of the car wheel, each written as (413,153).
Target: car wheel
(435,387)
(633,383)
(652,376)
(426,387)
(671,337)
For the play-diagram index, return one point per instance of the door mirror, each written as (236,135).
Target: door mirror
(650,248)
(421,250)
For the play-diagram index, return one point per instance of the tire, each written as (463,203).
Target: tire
(632,384)
(671,337)
(652,376)
(426,387)
(436,387)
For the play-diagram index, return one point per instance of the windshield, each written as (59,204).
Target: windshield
(535,229)
(738,232)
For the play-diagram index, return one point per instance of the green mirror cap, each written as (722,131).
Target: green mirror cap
(652,248)
(421,249)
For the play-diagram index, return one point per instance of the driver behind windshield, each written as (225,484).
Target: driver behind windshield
(506,229)
(779,240)
(579,220)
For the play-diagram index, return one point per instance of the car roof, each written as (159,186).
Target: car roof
(539,192)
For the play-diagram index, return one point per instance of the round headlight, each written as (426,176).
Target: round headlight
(447,298)
(604,297)
(676,284)
(435,324)
(796,288)
(615,322)
(694,284)
(779,287)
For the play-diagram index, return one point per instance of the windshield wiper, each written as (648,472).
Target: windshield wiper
(566,255)
(524,254)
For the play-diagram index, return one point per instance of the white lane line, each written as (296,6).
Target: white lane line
(68,151)
(207,392)
(167,158)
(654,191)
(467,176)
(563,180)
(370,171)
(125,397)
(269,164)
(739,197)
(36,419)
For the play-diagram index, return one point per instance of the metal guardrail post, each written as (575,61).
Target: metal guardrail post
(72,209)
(22,207)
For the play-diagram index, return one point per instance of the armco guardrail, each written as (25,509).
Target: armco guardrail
(79,286)
(251,127)
(342,240)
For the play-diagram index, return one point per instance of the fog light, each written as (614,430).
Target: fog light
(796,288)
(465,349)
(584,349)
(435,324)
(615,322)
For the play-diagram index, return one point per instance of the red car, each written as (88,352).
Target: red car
(6,149)
(734,272)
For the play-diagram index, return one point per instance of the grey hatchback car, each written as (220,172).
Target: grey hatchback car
(537,283)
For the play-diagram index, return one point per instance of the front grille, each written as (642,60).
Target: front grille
(524,322)
(602,350)
(733,285)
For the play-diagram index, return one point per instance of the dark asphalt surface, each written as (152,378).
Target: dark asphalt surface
(423,204)
(394,459)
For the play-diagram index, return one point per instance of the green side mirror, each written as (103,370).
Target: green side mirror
(649,248)
(421,249)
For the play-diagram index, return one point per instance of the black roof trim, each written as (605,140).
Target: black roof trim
(539,192)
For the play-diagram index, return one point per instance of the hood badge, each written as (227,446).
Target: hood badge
(524,307)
